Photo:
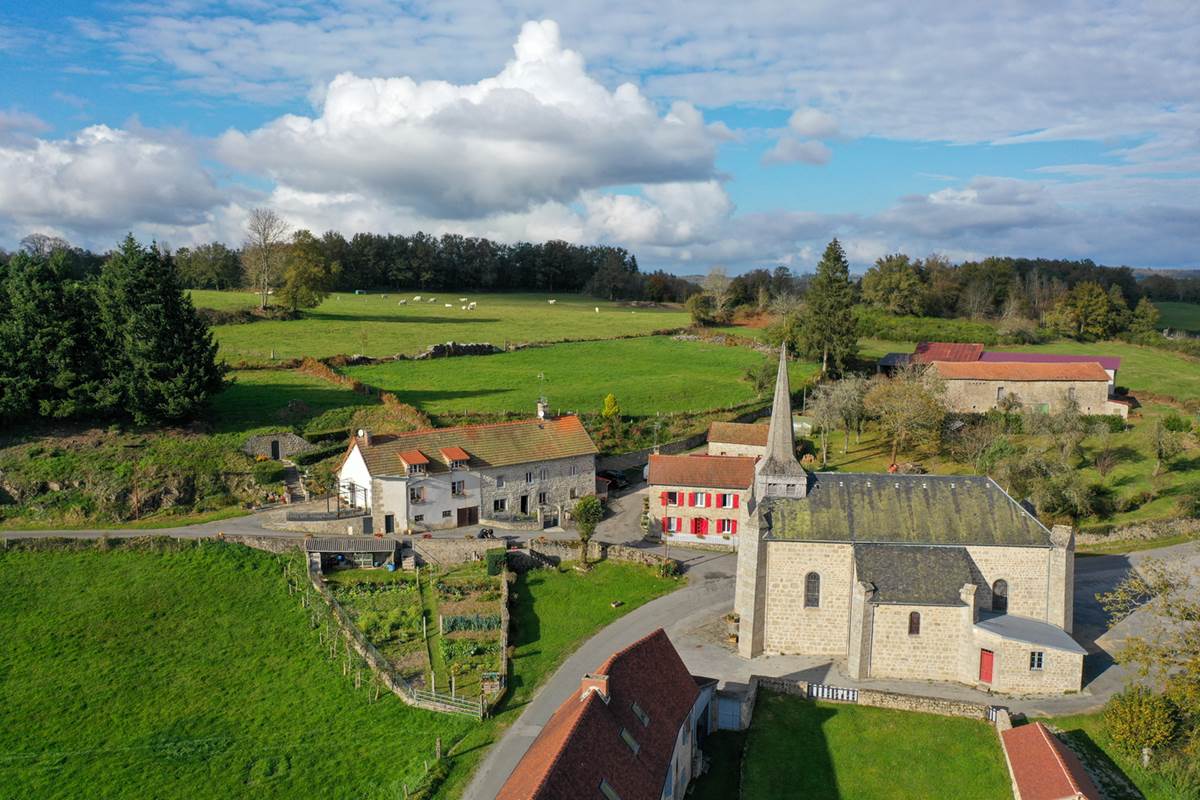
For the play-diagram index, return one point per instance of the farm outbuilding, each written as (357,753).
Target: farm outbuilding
(275,446)
(357,551)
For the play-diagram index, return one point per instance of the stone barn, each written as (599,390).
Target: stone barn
(277,446)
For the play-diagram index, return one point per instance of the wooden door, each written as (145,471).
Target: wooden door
(986,657)
(274,449)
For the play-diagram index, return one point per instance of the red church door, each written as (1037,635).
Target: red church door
(985,666)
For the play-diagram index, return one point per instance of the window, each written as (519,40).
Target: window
(542,498)
(642,716)
(700,499)
(724,526)
(725,500)
(446,514)
(499,481)
(1000,596)
(608,792)
(914,624)
(457,465)
(573,469)
(416,469)
(1071,394)
(999,393)
(529,477)
(673,498)
(1036,659)
(812,590)
(416,495)
(627,737)
(499,504)
(419,518)
(574,492)
(543,474)
(458,488)
(791,488)
(673,524)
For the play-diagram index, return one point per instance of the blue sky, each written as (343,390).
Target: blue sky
(695,134)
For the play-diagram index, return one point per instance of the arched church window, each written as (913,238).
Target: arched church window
(812,590)
(1000,596)
(914,623)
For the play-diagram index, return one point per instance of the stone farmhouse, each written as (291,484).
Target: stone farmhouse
(908,577)
(527,471)
(701,498)
(630,733)
(737,439)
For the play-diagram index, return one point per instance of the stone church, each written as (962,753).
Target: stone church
(910,577)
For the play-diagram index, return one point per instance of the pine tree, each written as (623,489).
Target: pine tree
(1145,318)
(827,327)
(47,353)
(159,357)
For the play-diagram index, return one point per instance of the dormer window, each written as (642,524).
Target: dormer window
(628,739)
(455,457)
(642,716)
(414,462)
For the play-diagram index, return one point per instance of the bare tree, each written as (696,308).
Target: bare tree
(40,244)
(263,253)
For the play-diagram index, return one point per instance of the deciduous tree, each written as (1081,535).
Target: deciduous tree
(307,277)
(263,253)
(908,406)
(894,285)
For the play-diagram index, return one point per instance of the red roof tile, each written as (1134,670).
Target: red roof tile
(1009,371)
(738,433)
(1108,362)
(581,745)
(928,352)
(709,472)
(412,457)
(455,454)
(1043,767)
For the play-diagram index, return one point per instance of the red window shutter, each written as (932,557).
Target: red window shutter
(735,500)
(664,498)
(691,498)
(664,523)
(706,526)
(733,525)
(708,500)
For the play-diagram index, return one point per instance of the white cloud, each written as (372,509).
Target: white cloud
(790,149)
(812,123)
(542,130)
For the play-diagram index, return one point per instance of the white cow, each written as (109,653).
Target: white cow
(401,302)
(470,306)
(449,305)
(552,302)
(462,308)
(416,298)
(433,299)
(597,309)
(462,299)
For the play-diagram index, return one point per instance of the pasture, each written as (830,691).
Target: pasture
(376,325)
(1181,316)
(259,398)
(187,671)
(833,751)
(647,375)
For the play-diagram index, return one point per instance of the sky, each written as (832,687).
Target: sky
(695,134)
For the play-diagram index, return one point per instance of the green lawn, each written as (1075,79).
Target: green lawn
(646,374)
(258,399)
(831,751)
(375,325)
(192,673)
(1089,738)
(1184,316)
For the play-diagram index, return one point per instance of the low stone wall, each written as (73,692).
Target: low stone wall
(452,349)
(927,705)
(557,551)
(346,526)
(1135,533)
(272,544)
(452,551)
(512,524)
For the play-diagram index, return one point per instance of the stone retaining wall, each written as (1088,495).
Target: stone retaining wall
(1150,530)
(556,551)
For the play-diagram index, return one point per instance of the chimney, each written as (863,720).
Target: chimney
(594,683)
(364,436)
(542,408)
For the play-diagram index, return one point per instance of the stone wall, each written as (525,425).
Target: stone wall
(289,445)
(555,552)
(1061,671)
(732,449)
(452,349)
(1144,531)
(1025,569)
(272,544)
(875,698)
(562,480)
(930,655)
(452,551)
(978,396)
(789,626)
(346,526)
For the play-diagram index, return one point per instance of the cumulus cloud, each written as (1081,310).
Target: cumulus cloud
(790,149)
(102,180)
(812,123)
(542,130)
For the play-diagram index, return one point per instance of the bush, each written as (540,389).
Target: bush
(1133,502)
(1114,423)
(1138,718)
(1177,424)
(495,560)
(268,472)
(881,325)
(1189,501)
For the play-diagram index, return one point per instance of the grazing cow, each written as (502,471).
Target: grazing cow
(433,299)
(552,302)
(470,306)
(462,308)
(597,309)
(402,302)
(462,299)
(416,298)
(449,305)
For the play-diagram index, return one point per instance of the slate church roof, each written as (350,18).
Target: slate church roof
(903,509)
(913,574)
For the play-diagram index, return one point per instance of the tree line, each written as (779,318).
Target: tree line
(118,340)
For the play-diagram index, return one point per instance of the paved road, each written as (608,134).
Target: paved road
(709,588)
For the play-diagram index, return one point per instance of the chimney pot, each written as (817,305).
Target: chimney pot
(594,683)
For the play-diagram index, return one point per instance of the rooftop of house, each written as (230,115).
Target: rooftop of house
(914,574)
(904,509)
(928,352)
(1044,768)
(491,445)
(1030,631)
(707,472)
(587,740)
(1108,362)
(1020,371)
(746,433)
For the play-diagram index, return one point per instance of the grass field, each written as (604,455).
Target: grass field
(258,399)
(191,673)
(1182,316)
(829,751)
(375,325)
(649,374)
(1089,738)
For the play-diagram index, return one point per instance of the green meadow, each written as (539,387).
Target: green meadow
(376,325)
(1183,316)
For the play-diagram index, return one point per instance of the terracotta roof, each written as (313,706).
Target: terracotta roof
(493,445)
(1044,768)
(412,457)
(738,433)
(1108,362)
(1019,371)
(581,745)
(716,472)
(455,454)
(928,352)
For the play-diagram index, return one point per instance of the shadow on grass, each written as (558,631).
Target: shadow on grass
(797,764)
(349,316)
(1114,783)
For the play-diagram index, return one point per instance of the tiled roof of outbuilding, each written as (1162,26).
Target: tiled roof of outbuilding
(706,472)
(1044,768)
(927,352)
(905,509)
(493,445)
(917,574)
(581,745)
(1108,362)
(1020,371)
(738,433)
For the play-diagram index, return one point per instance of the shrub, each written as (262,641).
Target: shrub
(1133,502)
(1189,501)
(1177,424)
(1113,422)
(268,472)
(495,560)
(1138,718)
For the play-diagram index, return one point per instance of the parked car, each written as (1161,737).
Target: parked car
(615,479)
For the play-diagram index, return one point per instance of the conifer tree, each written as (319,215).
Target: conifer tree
(159,357)
(827,327)
(1145,318)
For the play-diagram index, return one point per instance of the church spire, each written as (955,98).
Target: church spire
(779,472)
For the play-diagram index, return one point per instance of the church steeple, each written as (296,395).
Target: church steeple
(779,473)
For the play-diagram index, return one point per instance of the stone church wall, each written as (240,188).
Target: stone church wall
(1025,569)
(930,655)
(792,628)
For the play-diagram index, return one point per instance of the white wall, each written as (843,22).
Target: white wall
(355,470)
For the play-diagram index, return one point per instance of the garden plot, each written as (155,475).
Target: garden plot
(386,607)
(469,619)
